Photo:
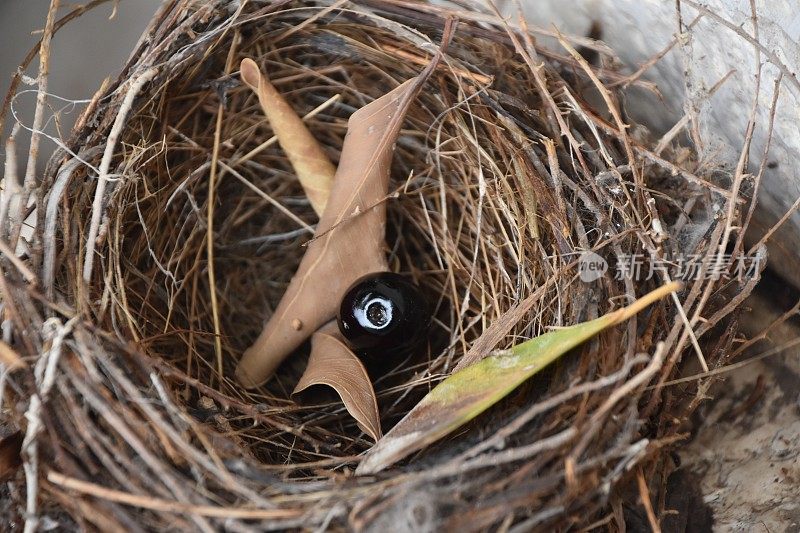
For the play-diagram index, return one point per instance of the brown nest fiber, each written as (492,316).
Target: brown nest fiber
(502,177)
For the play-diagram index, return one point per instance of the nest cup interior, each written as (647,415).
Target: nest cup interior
(158,256)
(492,204)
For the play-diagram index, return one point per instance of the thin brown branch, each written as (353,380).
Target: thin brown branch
(167,506)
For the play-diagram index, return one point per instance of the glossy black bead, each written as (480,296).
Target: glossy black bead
(384,315)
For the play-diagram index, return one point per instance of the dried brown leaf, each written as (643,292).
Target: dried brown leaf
(333,364)
(349,241)
(314,170)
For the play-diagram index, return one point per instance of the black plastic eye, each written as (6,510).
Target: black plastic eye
(383,315)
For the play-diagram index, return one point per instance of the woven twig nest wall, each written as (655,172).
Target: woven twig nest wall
(504,177)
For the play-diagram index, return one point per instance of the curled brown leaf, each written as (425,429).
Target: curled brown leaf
(312,165)
(333,364)
(349,241)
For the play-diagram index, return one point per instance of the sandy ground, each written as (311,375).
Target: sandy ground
(746,452)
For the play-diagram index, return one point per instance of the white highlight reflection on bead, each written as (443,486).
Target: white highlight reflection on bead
(361,313)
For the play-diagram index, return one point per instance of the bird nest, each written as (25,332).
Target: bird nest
(515,171)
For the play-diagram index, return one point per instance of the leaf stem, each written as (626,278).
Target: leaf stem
(651,297)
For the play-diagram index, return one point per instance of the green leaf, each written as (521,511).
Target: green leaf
(469,392)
